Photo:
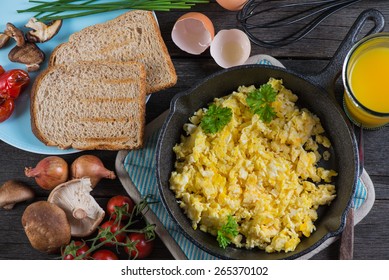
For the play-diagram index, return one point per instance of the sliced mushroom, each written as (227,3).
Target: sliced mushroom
(12,192)
(4,38)
(82,210)
(46,226)
(28,54)
(42,32)
(15,33)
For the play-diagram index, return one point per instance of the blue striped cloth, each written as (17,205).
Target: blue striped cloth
(140,165)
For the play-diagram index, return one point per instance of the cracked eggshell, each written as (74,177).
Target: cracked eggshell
(230,47)
(193,32)
(232,5)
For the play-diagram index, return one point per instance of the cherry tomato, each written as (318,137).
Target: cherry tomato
(1,70)
(113,228)
(7,106)
(104,254)
(142,246)
(120,201)
(74,249)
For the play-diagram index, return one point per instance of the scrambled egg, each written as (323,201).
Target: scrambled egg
(265,175)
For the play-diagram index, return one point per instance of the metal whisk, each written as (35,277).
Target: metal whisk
(304,15)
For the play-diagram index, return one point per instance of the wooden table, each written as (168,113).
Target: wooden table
(309,54)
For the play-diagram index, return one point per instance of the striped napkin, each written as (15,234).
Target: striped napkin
(140,166)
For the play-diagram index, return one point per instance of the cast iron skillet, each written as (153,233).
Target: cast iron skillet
(313,93)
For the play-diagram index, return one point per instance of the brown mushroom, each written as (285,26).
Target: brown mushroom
(46,226)
(24,52)
(83,212)
(28,54)
(12,192)
(42,32)
(15,33)
(4,38)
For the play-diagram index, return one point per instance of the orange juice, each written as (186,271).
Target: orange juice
(366,79)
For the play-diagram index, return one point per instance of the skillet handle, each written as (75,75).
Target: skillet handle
(327,77)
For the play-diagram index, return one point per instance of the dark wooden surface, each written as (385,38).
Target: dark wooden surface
(306,56)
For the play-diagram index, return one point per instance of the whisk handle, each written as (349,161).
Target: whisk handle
(327,77)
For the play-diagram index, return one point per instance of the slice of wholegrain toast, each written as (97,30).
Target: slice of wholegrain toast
(133,36)
(90,105)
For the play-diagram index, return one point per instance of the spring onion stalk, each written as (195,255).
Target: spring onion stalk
(64,9)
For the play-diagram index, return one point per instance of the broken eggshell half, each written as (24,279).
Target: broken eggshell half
(193,32)
(82,210)
(230,47)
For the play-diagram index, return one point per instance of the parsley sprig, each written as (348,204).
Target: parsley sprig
(215,118)
(227,232)
(260,101)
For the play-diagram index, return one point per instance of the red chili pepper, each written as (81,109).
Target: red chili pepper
(7,106)
(12,82)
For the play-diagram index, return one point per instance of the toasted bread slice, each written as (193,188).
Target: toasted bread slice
(133,36)
(90,105)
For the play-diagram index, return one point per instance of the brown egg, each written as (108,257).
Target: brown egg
(232,5)
(193,32)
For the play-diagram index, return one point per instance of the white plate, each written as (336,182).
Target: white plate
(16,131)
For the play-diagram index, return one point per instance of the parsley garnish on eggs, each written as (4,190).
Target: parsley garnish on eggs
(228,231)
(260,101)
(215,118)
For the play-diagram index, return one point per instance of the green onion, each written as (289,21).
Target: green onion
(63,9)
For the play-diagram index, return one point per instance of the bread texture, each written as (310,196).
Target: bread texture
(133,36)
(90,105)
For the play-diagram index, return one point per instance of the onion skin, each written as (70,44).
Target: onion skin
(49,172)
(90,166)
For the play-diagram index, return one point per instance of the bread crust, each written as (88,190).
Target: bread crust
(151,87)
(98,143)
(33,118)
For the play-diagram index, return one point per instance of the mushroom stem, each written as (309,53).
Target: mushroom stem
(79,213)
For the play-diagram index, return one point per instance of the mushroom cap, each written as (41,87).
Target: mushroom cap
(29,53)
(46,226)
(83,212)
(4,38)
(42,32)
(12,192)
(12,31)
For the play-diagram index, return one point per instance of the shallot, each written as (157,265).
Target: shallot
(49,172)
(90,166)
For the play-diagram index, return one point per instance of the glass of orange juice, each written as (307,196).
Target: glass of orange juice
(366,81)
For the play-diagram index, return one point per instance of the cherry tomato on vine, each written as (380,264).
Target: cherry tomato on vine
(104,254)
(7,106)
(113,228)
(139,246)
(119,201)
(75,249)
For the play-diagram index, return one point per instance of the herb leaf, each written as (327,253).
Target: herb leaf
(260,101)
(230,229)
(215,119)
(63,9)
